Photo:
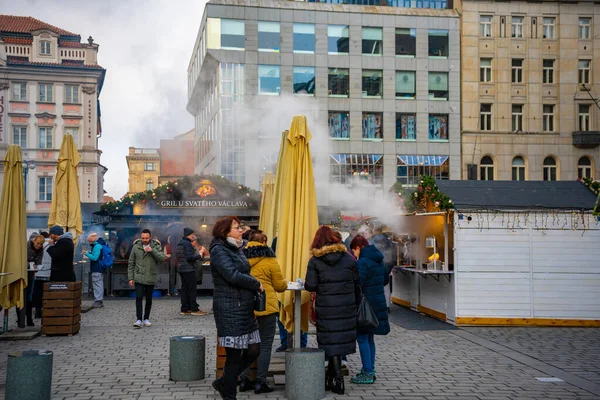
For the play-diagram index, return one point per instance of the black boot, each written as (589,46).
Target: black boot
(329,374)
(338,380)
(30,322)
(245,384)
(262,387)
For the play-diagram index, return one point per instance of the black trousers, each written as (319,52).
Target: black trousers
(188,291)
(140,292)
(236,362)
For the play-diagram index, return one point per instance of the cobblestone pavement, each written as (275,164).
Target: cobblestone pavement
(109,359)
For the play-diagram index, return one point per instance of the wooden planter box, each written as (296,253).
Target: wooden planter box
(61,308)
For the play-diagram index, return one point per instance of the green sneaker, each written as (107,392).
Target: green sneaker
(363,379)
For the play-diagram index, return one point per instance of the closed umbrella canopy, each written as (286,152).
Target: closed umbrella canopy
(266,205)
(298,216)
(13,231)
(278,182)
(66,204)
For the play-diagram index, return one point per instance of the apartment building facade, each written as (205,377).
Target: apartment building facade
(530,87)
(50,84)
(380,87)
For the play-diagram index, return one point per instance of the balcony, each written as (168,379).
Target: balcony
(586,139)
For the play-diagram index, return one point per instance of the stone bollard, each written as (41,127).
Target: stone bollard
(29,375)
(186,358)
(303,366)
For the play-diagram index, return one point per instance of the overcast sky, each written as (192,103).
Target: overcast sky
(145,46)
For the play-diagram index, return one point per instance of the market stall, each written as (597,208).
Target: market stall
(516,253)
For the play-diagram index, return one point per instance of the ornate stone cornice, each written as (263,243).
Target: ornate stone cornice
(19,114)
(88,89)
(4,85)
(66,116)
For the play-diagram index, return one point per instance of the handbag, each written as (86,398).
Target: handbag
(365,316)
(260,301)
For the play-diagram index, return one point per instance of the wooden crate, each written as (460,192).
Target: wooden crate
(61,312)
(62,286)
(60,330)
(221,355)
(71,303)
(59,321)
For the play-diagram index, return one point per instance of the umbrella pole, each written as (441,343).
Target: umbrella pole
(297,317)
(5,322)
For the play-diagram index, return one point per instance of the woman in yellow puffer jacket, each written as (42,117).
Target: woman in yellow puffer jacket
(265,268)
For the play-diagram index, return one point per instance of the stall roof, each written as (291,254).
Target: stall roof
(518,195)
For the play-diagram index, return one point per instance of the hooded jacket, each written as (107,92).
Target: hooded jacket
(333,275)
(373,277)
(95,256)
(142,266)
(44,269)
(234,289)
(34,255)
(62,259)
(265,268)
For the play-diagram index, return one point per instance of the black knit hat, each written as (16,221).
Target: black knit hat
(187,232)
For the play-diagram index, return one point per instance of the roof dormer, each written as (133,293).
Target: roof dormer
(45,46)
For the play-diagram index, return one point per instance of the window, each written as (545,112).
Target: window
(518,169)
(486,169)
(517,70)
(438,86)
(584,71)
(45,93)
(19,91)
(45,138)
(338,82)
(485,70)
(75,133)
(548,117)
(405,85)
(584,117)
(406,126)
(517,117)
(339,124)
(371,83)
(356,169)
(584,168)
(338,39)
(20,136)
(406,43)
(410,168)
(304,38)
(269,38)
(304,80)
(438,43)
(372,126)
(71,94)
(268,79)
(585,25)
(549,27)
(549,169)
(517,27)
(149,166)
(149,184)
(485,117)
(372,41)
(45,188)
(548,71)
(228,34)
(485,25)
(438,126)
(45,48)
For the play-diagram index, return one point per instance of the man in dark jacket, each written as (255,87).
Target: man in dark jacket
(94,255)
(186,260)
(62,255)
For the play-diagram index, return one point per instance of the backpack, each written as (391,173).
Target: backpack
(107,258)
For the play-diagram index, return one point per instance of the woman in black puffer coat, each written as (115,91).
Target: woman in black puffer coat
(333,275)
(233,304)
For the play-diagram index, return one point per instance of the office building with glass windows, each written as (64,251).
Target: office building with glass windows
(380,87)
(531,87)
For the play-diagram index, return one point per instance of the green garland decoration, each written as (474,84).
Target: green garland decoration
(415,200)
(175,190)
(594,186)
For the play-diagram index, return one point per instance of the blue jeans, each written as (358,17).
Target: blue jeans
(283,335)
(366,346)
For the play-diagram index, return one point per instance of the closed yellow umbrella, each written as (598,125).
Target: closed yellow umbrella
(277,188)
(13,231)
(298,216)
(66,203)
(266,205)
